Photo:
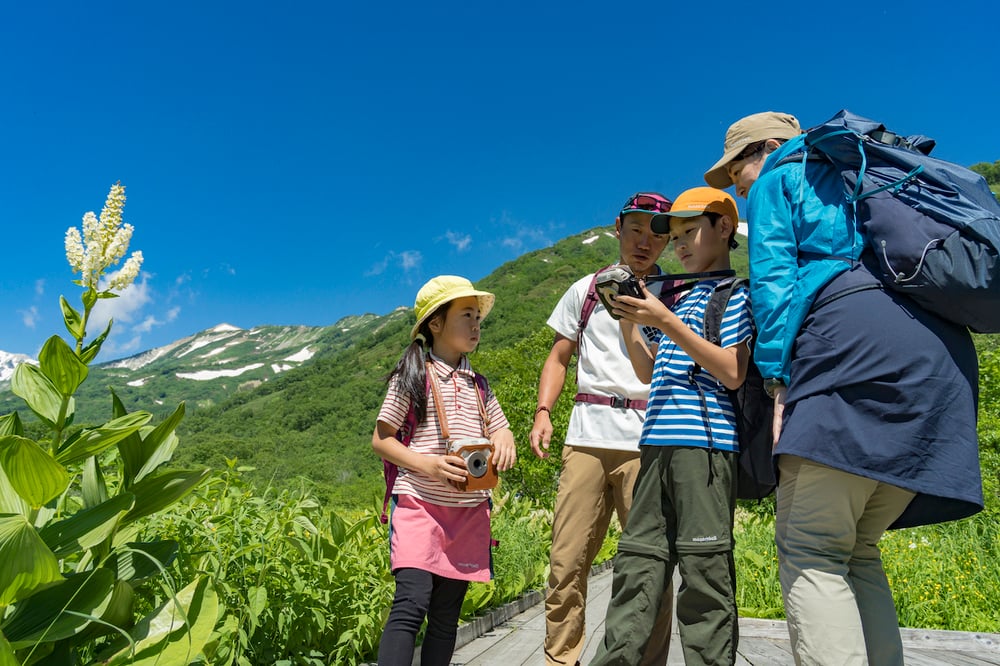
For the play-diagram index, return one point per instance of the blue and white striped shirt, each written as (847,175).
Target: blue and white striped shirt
(676,415)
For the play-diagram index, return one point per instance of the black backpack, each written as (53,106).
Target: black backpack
(755,473)
(934,226)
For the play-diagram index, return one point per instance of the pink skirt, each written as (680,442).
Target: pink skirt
(449,541)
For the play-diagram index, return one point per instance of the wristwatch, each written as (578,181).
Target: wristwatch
(772,384)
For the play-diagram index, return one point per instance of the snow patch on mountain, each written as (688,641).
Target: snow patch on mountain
(10,361)
(203,375)
(300,357)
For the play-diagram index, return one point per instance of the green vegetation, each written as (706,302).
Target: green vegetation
(74,576)
(991,172)
(277,556)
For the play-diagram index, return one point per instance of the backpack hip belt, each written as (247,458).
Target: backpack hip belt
(611,401)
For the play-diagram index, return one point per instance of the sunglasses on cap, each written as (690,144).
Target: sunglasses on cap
(649,203)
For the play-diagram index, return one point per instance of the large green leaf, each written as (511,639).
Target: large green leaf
(7,657)
(27,562)
(60,611)
(72,319)
(137,561)
(91,441)
(176,632)
(87,528)
(161,489)
(40,394)
(32,472)
(62,366)
(93,488)
(158,445)
(10,424)
(10,501)
(91,350)
(130,448)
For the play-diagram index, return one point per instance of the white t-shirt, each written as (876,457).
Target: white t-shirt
(603,368)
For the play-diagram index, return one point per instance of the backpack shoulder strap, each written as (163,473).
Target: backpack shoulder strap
(590,301)
(716,307)
(812,155)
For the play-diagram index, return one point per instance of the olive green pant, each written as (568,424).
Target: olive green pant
(682,514)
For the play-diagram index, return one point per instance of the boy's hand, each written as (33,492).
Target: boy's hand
(504,449)
(647,311)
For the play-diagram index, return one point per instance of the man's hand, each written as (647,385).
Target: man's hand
(541,433)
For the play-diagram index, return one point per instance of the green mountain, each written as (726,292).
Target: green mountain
(203,369)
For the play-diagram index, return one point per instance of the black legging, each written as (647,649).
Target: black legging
(422,594)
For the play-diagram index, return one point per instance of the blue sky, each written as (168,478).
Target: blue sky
(294,163)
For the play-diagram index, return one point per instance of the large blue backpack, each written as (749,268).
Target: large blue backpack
(934,226)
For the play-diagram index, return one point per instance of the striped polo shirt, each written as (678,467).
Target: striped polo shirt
(676,414)
(458,393)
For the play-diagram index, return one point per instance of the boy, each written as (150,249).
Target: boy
(600,459)
(682,510)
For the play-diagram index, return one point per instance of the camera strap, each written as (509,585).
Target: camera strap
(439,404)
(686,280)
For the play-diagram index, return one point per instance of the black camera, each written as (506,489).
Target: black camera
(614,281)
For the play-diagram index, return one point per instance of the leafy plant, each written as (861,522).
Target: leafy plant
(69,507)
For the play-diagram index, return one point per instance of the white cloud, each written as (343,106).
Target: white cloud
(126,308)
(40,287)
(131,320)
(405,261)
(520,235)
(410,260)
(460,241)
(150,322)
(29,317)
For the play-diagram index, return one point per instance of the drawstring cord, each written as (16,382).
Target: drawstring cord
(708,418)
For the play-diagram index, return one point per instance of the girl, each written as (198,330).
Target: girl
(439,536)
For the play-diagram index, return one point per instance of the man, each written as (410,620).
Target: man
(600,459)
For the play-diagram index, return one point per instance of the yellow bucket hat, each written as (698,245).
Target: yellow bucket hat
(443,289)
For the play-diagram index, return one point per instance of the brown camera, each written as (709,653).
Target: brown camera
(477,453)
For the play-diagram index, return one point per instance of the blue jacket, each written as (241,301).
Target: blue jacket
(801,235)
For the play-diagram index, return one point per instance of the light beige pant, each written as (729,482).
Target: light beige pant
(592,484)
(837,598)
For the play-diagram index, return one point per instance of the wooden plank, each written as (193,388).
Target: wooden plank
(519,640)
(939,639)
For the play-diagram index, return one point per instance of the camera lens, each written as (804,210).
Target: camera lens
(477,463)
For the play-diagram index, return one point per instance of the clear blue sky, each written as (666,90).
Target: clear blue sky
(293,163)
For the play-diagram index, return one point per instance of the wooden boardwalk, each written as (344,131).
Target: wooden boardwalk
(513,635)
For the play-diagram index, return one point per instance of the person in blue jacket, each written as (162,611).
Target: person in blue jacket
(875,398)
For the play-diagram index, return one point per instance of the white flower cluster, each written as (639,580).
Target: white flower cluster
(103,244)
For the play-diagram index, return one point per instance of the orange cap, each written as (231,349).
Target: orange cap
(694,202)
